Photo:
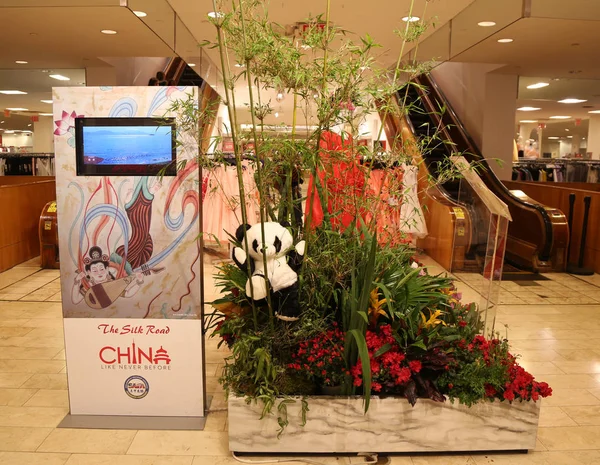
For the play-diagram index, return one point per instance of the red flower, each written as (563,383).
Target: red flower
(415,366)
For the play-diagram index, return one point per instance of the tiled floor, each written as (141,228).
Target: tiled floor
(559,341)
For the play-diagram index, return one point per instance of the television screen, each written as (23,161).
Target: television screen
(125,146)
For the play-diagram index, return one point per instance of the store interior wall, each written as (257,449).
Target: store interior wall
(485,103)
(17,140)
(136,71)
(100,76)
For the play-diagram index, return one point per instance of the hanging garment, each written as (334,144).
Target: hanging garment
(341,178)
(411,214)
(385,193)
(222,211)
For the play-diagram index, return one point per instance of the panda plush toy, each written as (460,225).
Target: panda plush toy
(283,262)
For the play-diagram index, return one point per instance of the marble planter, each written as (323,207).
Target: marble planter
(339,425)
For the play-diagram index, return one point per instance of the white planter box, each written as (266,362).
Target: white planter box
(339,425)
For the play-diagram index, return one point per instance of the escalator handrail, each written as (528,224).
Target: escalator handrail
(473,151)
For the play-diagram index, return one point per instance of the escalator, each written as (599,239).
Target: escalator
(538,235)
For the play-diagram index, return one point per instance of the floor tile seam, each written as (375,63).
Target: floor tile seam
(45,438)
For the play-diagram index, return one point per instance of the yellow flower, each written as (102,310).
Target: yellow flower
(375,306)
(433,319)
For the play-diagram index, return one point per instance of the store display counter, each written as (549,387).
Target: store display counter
(22,199)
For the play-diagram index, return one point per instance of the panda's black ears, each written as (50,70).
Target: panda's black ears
(239,233)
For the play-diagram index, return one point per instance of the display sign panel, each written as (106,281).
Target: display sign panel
(130,253)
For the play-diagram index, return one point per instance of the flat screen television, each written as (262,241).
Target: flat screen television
(125,146)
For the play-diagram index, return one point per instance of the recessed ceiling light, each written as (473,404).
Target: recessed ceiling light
(553,137)
(140,14)
(572,100)
(538,85)
(60,77)
(21,62)
(29,125)
(486,23)
(528,121)
(505,41)
(594,112)
(410,19)
(240,65)
(18,109)
(569,137)
(46,101)
(276,114)
(108,32)
(215,14)
(567,129)
(191,65)
(12,92)
(1,122)
(560,117)
(46,114)
(528,109)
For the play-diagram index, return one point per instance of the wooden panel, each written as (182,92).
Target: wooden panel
(558,197)
(22,204)
(13,180)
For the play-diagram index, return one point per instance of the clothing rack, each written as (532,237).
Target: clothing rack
(26,164)
(557,170)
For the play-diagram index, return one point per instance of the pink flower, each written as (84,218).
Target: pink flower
(65,123)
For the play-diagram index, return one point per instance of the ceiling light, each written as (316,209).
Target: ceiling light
(528,121)
(553,137)
(528,109)
(215,14)
(140,14)
(191,65)
(486,23)
(572,100)
(305,47)
(276,114)
(505,41)
(1,122)
(109,32)
(538,85)
(60,77)
(569,137)
(12,92)
(410,19)
(29,125)
(239,65)
(46,101)
(46,114)
(18,109)
(566,129)
(21,62)
(560,117)
(594,112)
(9,132)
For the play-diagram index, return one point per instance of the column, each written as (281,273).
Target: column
(43,135)
(593,144)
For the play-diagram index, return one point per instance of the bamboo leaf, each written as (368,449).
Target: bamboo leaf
(363,353)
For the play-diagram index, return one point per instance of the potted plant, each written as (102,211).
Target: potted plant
(325,291)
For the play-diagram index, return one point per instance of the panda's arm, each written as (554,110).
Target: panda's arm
(239,256)
(296,255)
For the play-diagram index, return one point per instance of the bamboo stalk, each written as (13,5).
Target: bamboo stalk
(238,162)
(260,183)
